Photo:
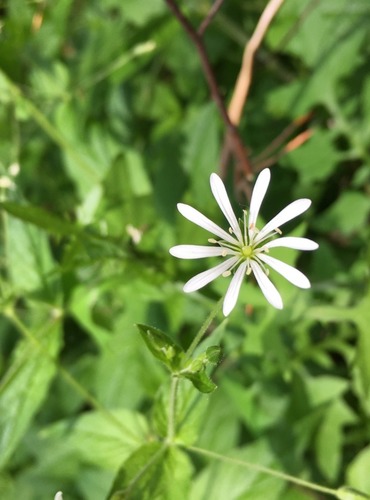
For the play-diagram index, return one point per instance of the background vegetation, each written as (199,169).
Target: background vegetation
(106,122)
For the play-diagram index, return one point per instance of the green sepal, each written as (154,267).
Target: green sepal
(347,493)
(162,346)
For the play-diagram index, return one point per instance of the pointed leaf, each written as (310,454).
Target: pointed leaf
(161,346)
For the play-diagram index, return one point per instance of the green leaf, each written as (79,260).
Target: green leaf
(112,435)
(28,255)
(161,346)
(329,438)
(41,218)
(202,149)
(201,381)
(25,384)
(346,493)
(194,369)
(154,471)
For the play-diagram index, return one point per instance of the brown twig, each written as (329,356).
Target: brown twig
(282,137)
(211,14)
(293,144)
(238,148)
(244,79)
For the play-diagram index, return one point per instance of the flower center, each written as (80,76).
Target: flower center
(247,251)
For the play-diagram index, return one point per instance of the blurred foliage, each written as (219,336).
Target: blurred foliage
(106,122)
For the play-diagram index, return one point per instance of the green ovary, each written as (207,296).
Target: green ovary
(247,251)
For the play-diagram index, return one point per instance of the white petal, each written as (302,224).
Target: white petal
(197,251)
(258,195)
(293,242)
(220,194)
(290,212)
(201,220)
(202,279)
(268,289)
(290,273)
(233,291)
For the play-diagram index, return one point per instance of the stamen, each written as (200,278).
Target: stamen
(224,253)
(230,230)
(246,238)
(249,270)
(278,230)
(226,274)
(212,240)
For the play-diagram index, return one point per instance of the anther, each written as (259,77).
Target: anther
(212,240)
(226,274)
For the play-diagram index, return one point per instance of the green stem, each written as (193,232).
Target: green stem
(171,428)
(203,329)
(264,470)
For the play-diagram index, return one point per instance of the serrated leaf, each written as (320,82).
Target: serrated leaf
(161,346)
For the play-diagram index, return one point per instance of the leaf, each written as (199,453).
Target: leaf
(329,439)
(112,435)
(25,384)
(195,369)
(201,381)
(155,471)
(339,216)
(202,148)
(28,255)
(161,346)
(316,159)
(41,218)
(346,493)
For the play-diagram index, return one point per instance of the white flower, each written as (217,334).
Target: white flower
(244,248)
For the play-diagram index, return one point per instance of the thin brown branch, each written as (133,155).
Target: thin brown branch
(282,137)
(295,143)
(211,14)
(238,148)
(244,79)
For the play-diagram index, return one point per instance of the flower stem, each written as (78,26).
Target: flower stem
(171,427)
(203,329)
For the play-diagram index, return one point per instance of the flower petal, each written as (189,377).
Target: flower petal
(201,220)
(293,242)
(197,251)
(268,289)
(258,195)
(202,279)
(288,272)
(290,212)
(220,194)
(233,291)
